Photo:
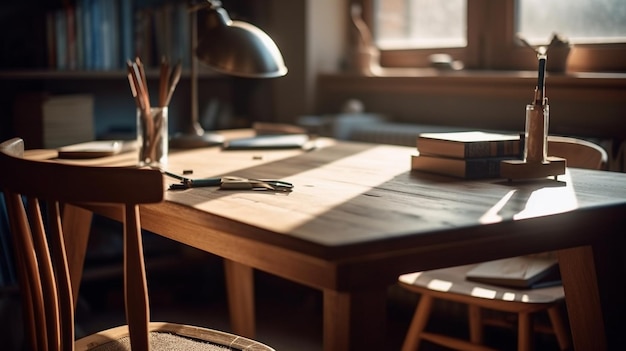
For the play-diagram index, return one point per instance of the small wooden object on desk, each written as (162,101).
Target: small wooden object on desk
(536,163)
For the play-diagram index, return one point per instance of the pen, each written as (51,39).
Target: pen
(540,92)
(195,183)
(174,175)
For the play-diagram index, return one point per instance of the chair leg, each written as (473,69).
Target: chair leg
(475,324)
(561,332)
(420,318)
(524,332)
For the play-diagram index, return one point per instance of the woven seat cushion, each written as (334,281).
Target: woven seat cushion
(160,341)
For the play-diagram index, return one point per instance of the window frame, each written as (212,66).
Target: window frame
(491,45)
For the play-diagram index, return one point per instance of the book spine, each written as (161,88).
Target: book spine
(483,168)
(476,168)
(96,35)
(60,29)
(51,39)
(143,35)
(127,35)
(80,31)
(107,35)
(493,149)
(70,26)
(184,35)
(88,36)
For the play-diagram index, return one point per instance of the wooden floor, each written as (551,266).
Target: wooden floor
(190,289)
(289,315)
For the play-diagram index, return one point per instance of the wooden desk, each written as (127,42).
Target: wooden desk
(358,217)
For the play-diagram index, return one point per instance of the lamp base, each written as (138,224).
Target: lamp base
(518,169)
(192,141)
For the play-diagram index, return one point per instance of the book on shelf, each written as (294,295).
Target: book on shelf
(52,121)
(470,144)
(468,168)
(517,272)
(104,34)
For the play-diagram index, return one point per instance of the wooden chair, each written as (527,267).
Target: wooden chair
(450,284)
(32,188)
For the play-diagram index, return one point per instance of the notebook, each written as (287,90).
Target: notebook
(268,141)
(517,272)
(97,148)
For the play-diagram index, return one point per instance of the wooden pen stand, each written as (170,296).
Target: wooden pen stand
(519,169)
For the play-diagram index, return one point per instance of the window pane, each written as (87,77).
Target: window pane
(420,23)
(582,21)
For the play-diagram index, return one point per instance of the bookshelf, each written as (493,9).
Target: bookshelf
(26,66)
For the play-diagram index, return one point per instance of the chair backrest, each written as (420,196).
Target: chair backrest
(579,153)
(35,190)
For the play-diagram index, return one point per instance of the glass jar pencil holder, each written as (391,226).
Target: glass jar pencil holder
(152,136)
(536,135)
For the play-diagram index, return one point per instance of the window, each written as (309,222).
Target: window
(420,24)
(582,21)
(482,33)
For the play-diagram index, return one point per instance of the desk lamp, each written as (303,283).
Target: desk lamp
(536,162)
(231,47)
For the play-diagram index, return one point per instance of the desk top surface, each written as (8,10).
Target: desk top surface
(356,198)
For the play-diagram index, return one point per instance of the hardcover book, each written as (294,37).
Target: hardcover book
(468,168)
(470,144)
(517,272)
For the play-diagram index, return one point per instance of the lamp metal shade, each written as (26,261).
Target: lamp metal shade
(238,48)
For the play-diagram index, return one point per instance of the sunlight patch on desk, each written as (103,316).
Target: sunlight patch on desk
(550,200)
(493,214)
(522,202)
(350,179)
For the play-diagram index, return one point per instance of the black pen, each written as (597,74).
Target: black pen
(174,175)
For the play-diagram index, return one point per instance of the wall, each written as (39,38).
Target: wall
(310,34)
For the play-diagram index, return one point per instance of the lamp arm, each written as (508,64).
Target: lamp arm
(256,57)
(203,4)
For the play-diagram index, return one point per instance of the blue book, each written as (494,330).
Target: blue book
(108,27)
(80,31)
(60,30)
(97,52)
(86,7)
(126,31)
(182,35)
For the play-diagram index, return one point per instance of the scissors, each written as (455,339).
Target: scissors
(231,183)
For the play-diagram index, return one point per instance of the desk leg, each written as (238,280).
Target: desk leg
(240,291)
(76,228)
(355,321)
(582,298)
(594,293)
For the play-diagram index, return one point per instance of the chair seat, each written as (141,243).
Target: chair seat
(450,284)
(453,285)
(170,336)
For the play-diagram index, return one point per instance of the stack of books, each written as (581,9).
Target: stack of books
(469,154)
